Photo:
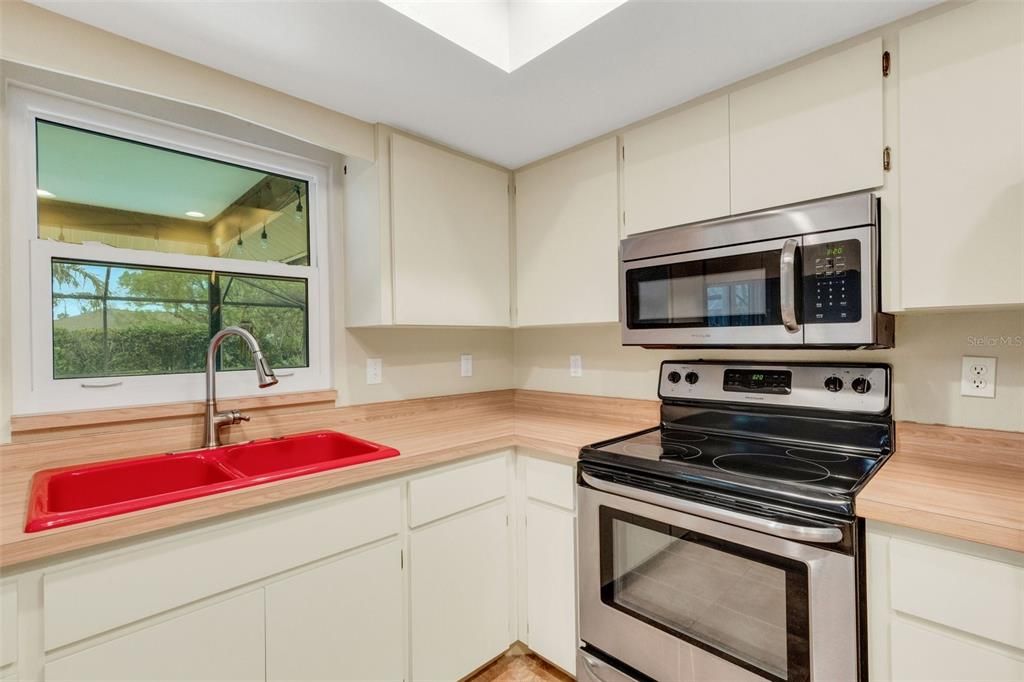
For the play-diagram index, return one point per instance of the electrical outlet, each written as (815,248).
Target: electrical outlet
(466,365)
(374,370)
(978,377)
(575,366)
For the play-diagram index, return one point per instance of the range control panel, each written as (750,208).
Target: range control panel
(832,282)
(851,388)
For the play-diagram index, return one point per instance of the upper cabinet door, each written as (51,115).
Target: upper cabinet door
(567,237)
(676,169)
(811,132)
(961,157)
(450,238)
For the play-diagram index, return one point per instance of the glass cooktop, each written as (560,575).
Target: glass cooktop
(813,475)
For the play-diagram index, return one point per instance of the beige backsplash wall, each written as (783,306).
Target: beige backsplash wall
(422,362)
(926,365)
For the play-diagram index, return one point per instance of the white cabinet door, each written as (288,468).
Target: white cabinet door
(8,622)
(460,596)
(810,132)
(450,238)
(925,654)
(567,238)
(961,157)
(221,642)
(339,621)
(675,170)
(551,584)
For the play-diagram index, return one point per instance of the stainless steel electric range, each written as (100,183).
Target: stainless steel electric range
(723,544)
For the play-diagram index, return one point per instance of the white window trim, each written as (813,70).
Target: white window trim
(35,390)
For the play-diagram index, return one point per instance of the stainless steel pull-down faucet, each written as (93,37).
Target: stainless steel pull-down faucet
(264,375)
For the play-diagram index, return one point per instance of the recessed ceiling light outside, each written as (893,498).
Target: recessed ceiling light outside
(195,214)
(506,33)
(43,194)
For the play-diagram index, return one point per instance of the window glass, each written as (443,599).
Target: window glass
(97,188)
(117,320)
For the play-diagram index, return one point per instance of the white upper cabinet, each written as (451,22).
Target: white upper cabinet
(567,237)
(427,238)
(810,132)
(961,157)
(449,219)
(675,169)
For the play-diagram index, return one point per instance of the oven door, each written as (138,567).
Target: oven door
(678,596)
(736,295)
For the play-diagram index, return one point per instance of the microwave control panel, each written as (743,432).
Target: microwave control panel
(832,282)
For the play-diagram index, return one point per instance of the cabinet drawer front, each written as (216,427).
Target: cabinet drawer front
(979,596)
(8,622)
(223,641)
(926,655)
(453,490)
(101,593)
(550,482)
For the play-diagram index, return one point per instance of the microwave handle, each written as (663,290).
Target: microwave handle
(787,285)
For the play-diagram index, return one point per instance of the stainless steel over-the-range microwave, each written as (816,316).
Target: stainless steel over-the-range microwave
(803,275)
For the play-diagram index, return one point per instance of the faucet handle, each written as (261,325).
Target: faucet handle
(236,417)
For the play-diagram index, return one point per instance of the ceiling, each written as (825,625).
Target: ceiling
(365,59)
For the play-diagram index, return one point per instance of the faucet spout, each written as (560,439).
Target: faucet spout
(264,376)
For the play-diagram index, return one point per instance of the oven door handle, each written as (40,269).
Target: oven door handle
(820,534)
(787,285)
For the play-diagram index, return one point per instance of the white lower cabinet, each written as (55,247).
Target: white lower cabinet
(339,621)
(943,610)
(460,599)
(417,579)
(223,641)
(551,584)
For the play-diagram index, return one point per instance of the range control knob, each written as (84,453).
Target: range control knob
(691,378)
(860,385)
(834,384)
(674,377)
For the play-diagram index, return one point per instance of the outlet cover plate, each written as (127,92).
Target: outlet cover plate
(978,377)
(374,370)
(575,366)
(466,365)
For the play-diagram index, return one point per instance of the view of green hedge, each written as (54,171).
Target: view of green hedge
(155,348)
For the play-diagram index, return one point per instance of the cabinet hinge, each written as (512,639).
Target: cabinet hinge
(623,217)
(623,152)
(401,558)
(344,169)
(887,159)
(886,64)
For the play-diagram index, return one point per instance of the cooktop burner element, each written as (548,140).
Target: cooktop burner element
(775,467)
(811,446)
(816,455)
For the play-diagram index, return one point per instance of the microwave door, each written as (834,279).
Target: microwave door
(744,295)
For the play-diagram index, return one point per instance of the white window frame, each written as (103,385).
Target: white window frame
(35,390)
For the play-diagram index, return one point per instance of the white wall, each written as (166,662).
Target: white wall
(926,365)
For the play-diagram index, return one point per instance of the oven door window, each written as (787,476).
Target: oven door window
(729,291)
(744,605)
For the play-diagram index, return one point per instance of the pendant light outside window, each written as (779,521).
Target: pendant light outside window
(264,240)
(298,204)
(239,242)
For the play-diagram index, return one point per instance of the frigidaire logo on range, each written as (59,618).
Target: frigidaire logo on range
(1013,341)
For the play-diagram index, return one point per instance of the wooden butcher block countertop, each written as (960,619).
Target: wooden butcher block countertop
(964,483)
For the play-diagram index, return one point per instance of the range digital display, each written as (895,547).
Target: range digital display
(758,380)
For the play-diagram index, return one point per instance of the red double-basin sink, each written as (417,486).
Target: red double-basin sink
(69,495)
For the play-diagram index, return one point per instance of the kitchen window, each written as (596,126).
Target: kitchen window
(137,240)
